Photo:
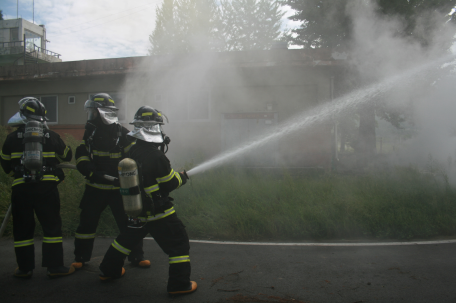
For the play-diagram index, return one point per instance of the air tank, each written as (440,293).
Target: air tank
(33,152)
(129,187)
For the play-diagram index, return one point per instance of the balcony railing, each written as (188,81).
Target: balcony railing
(29,48)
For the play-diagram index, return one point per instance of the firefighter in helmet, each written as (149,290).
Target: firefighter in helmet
(104,145)
(158,217)
(30,155)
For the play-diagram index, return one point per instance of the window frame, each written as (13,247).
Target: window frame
(56,108)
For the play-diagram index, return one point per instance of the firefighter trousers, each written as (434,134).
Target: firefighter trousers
(93,203)
(46,206)
(170,235)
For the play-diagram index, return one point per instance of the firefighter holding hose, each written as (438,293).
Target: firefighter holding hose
(30,155)
(153,212)
(104,145)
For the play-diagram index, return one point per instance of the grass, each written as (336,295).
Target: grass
(401,204)
(236,204)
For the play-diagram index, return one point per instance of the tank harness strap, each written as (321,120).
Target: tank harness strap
(132,191)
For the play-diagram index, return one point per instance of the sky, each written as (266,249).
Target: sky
(91,29)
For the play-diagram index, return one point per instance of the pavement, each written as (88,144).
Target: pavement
(226,272)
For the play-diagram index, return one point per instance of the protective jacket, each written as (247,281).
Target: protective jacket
(40,198)
(157,178)
(100,151)
(54,152)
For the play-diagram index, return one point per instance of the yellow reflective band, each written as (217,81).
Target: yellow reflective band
(159,114)
(147,114)
(84,236)
(23,243)
(120,248)
(16,155)
(11,174)
(98,99)
(52,239)
(18,181)
(115,155)
(50,178)
(48,154)
(30,109)
(167,212)
(151,189)
(110,100)
(178,178)
(126,149)
(166,178)
(65,152)
(5,157)
(179,259)
(83,158)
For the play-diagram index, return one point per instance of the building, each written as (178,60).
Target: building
(214,101)
(22,42)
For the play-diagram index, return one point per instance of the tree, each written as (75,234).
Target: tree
(1,15)
(210,25)
(329,24)
(163,38)
(184,26)
(250,24)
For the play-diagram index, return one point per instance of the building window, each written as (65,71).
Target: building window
(192,106)
(71,100)
(119,101)
(51,104)
(31,40)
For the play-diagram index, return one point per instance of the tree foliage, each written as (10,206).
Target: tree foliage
(1,15)
(325,23)
(184,26)
(250,24)
(209,25)
(330,24)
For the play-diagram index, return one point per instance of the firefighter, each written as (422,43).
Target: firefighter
(30,155)
(104,145)
(158,217)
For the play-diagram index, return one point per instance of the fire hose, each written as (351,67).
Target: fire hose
(8,212)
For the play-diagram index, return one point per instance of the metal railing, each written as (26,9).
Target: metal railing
(29,48)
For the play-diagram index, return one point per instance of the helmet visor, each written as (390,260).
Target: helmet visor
(147,131)
(92,113)
(17,119)
(108,115)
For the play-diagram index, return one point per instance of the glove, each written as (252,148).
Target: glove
(97,177)
(116,182)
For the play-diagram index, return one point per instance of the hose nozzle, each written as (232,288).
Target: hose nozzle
(185,174)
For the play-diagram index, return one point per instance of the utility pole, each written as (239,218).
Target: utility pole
(33,11)
(17,10)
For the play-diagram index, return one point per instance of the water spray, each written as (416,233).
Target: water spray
(324,112)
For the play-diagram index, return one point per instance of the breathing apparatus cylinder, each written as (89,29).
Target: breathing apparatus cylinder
(33,152)
(129,187)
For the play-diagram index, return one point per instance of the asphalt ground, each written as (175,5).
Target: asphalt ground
(251,273)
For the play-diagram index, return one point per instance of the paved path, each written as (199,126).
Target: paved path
(244,273)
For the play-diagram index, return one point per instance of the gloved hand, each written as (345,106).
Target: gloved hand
(116,182)
(97,177)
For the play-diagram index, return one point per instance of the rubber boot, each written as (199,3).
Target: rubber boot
(23,274)
(77,265)
(191,288)
(141,263)
(60,271)
(103,277)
